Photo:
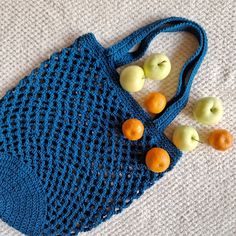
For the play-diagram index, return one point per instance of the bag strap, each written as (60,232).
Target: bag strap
(119,55)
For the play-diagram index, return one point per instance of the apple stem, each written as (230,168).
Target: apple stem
(161,63)
(197,140)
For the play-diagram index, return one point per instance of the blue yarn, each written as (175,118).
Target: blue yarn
(65,166)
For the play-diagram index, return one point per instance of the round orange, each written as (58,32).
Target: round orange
(157,160)
(155,102)
(133,129)
(220,139)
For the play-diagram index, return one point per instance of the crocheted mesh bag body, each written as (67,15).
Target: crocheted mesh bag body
(65,166)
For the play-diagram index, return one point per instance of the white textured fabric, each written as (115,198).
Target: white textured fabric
(199,196)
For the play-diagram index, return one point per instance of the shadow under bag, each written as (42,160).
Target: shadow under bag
(65,166)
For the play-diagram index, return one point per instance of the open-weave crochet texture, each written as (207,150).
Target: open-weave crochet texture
(65,166)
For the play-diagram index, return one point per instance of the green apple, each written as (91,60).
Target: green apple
(208,110)
(132,78)
(185,138)
(157,66)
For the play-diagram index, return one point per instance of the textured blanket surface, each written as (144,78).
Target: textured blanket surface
(198,197)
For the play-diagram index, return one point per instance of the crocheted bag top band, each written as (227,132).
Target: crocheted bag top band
(65,166)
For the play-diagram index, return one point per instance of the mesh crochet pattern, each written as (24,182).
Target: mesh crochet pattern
(65,166)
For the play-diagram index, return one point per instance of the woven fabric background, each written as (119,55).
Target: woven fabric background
(199,196)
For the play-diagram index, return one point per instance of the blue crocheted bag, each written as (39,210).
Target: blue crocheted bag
(65,166)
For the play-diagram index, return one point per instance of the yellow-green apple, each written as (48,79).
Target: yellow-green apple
(185,138)
(157,66)
(208,110)
(132,78)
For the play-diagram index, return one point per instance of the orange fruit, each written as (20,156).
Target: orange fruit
(133,129)
(220,139)
(155,102)
(157,160)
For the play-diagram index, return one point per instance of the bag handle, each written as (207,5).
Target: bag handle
(119,55)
